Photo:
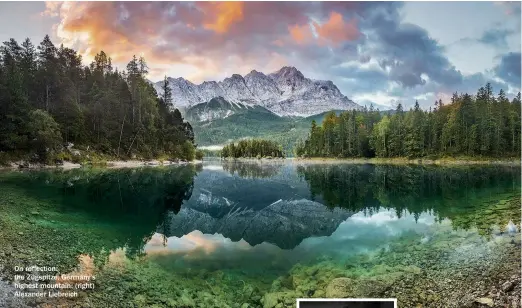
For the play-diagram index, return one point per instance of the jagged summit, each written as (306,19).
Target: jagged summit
(254,73)
(288,72)
(286,92)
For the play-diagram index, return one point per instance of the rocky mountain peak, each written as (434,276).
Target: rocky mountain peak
(288,72)
(237,77)
(255,74)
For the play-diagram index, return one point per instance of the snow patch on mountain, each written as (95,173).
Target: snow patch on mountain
(215,108)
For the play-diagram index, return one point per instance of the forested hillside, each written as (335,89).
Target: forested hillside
(480,125)
(49,100)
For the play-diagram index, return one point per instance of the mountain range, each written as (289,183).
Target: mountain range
(285,93)
(285,223)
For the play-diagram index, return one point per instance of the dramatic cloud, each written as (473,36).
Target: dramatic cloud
(336,30)
(333,31)
(301,34)
(408,52)
(509,69)
(363,47)
(350,74)
(222,15)
(496,37)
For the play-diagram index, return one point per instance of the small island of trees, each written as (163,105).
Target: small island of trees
(253,148)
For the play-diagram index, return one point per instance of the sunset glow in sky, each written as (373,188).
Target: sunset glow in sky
(380,52)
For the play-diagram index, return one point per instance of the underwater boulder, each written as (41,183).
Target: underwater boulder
(511,228)
(270,300)
(340,288)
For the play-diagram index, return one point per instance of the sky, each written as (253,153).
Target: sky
(375,52)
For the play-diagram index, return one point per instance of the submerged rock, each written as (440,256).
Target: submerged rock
(340,288)
(485,301)
(508,286)
(271,300)
(511,228)
(7,297)
(425,239)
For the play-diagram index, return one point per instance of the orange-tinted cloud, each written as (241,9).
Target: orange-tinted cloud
(332,32)
(301,34)
(336,30)
(220,16)
(90,27)
(86,27)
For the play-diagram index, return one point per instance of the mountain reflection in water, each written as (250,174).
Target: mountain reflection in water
(358,233)
(297,203)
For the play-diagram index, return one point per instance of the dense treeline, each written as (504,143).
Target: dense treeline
(480,125)
(253,148)
(49,99)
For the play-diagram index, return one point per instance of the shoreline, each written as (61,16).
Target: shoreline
(378,161)
(404,161)
(151,163)
(254,160)
(116,164)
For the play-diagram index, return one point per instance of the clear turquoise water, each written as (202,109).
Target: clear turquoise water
(236,234)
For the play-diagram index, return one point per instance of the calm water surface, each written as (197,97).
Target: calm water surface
(260,235)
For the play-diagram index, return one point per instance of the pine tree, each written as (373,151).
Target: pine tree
(167,91)
(47,72)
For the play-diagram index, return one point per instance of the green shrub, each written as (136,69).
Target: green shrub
(45,134)
(63,156)
(199,154)
(188,151)
(4,159)
(77,159)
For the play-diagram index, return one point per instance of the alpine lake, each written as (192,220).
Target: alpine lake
(261,234)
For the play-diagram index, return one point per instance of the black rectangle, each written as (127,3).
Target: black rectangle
(346,303)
